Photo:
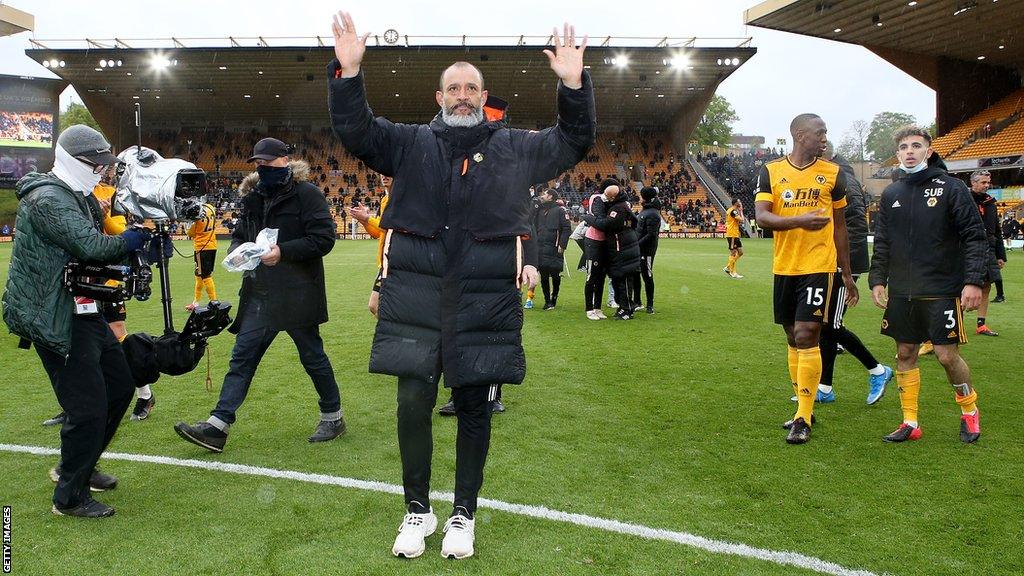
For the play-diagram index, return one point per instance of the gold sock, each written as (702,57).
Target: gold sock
(530,293)
(211,290)
(731,266)
(968,404)
(909,384)
(808,375)
(198,290)
(793,358)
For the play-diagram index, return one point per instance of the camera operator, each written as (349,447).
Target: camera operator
(286,293)
(58,220)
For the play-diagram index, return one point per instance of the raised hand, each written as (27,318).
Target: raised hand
(567,59)
(348,46)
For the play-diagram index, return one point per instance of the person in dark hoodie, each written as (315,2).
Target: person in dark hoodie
(928,267)
(285,293)
(647,230)
(455,257)
(551,223)
(59,220)
(622,247)
(835,333)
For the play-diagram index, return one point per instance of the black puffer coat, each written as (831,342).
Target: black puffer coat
(294,289)
(551,226)
(449,300)
(621,242)
(648,228)
(856,218)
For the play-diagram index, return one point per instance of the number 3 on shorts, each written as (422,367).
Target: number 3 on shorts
(951,319)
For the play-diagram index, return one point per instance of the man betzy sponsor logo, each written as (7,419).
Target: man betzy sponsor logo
(801,198)
(7,539)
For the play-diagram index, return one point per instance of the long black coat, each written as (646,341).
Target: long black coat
(294,289)
(459,207)
(621,242)
(551,225)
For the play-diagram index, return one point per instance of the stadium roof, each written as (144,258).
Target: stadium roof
(14,21)
(261,84)
(968,30)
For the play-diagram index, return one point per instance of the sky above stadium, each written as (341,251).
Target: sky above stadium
(790,74)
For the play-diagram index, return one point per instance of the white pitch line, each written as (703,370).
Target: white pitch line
(692,540)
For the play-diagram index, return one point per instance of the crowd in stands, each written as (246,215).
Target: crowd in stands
(737,173)
(26,126)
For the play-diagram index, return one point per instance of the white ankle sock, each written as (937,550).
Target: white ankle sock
(877,370)
(143,392)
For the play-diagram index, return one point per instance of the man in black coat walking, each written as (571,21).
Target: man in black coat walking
(454,259)
(551,225)
(285,293)
(647,230)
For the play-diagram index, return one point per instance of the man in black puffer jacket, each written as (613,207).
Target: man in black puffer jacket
(551,225)
(929,256)
(648,229)
(454,258)
(285,293)
(623,249)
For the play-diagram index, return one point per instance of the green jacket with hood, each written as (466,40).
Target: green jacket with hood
(55,225)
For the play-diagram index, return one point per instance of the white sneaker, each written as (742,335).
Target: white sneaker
(592,315)
(458,537)
(613,304)
(600,315)
(736,276)
(411,534)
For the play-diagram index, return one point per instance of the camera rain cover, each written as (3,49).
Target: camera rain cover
(147,187)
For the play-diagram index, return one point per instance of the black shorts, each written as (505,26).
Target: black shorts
(734,243)
(939,320)
(113,311)
(809,298)
(205,261)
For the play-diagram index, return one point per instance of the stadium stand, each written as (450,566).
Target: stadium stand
(981,126)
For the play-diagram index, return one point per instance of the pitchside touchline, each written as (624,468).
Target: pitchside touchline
(717,546)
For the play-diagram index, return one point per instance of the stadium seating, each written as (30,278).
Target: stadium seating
(973,128)
(1009,140)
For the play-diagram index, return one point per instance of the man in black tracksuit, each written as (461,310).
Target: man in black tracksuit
(930,258)
(622,247)
(647,230)
(995,258)
(551,226)
(834,334)
(454,257)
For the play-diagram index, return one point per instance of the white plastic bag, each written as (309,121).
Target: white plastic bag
(579,232)
(247,256)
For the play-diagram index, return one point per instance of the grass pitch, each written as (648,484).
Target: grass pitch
(670,421)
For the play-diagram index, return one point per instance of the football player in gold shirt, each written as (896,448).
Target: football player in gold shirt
(801,198)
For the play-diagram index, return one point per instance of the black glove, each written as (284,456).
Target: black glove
(153,254)
(135,238)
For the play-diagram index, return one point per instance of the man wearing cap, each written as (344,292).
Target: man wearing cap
(59,221)
(454,258)
(286,293)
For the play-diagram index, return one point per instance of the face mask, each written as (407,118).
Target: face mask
(274,177)
(73,172)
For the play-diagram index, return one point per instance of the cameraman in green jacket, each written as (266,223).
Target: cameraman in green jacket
(58,221)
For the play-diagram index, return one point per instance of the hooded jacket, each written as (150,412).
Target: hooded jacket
(551,223)
(55,225)
(294,289)
(929,239)
(460,205)
(621,241)
(648,228)
(856,217)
